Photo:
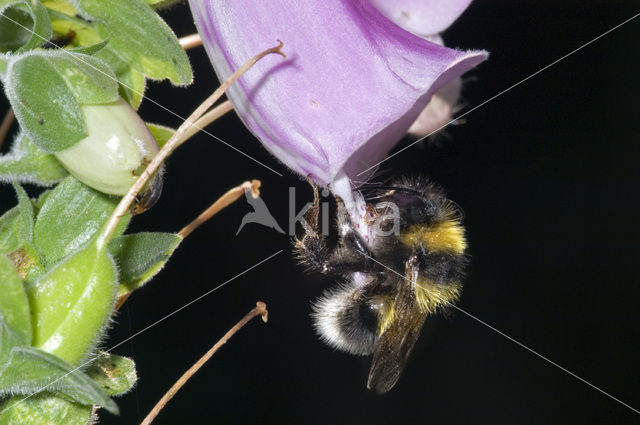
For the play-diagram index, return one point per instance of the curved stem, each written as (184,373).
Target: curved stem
(221,203)
(6,125)
(225,200)
(207,119)
(259,310)
(175,141)
(190,41)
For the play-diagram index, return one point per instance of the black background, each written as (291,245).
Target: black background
(547,174)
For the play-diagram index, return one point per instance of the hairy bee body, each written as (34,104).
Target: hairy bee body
(410,267)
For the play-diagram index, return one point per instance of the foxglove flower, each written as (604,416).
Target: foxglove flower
(425,18)
(428,18)
(352,84)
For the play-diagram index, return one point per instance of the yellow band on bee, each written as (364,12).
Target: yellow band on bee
(386,313)
(430,296)
(445,236)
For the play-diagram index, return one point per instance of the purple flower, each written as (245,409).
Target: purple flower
(425,18)
(353,81)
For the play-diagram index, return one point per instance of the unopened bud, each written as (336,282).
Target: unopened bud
(119,147)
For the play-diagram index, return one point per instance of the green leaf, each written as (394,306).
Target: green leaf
(24,25)
(27,163)
(62,6)
(26,212)
(161,133)
(31,370)
(65,23)
(48,109)
(70,216)
(140,256)
(15,320)
(161,4)
(115,374)
(132,82)
(90,50)
(11,224)
(16,225)
(51,125)
(144,46)
(4,64)
(71,304)
(90,79)
(39,202)
(43,409)
(27,262)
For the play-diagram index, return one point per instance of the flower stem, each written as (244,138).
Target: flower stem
(190,41)
(207,119)
(259,310)
(228,198)
(222,202)
(176,140)
(6,125)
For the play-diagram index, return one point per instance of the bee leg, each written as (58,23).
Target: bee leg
(353,241)
(314,212)
(311,249)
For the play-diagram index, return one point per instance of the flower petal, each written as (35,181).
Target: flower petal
(422,17)
(350,88)
(438,111)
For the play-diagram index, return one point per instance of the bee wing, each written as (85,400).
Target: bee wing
(395,344)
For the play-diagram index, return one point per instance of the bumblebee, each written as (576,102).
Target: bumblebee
(392,280)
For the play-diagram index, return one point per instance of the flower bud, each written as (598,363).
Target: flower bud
(115,153)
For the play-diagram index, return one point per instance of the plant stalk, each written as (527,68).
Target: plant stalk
(176,140)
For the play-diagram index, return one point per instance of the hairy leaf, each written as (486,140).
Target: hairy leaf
(15,320)
(161,4)
(161,133)
(65,23)
(62,6)
(30,370)
(24,25)
(115,374)
(70,216)
(138,48)
(140,256)
(16,225)
(43,409)
(11,224)
(71,304)
(27,163)
(48,109)
(27,262)
(26,212)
